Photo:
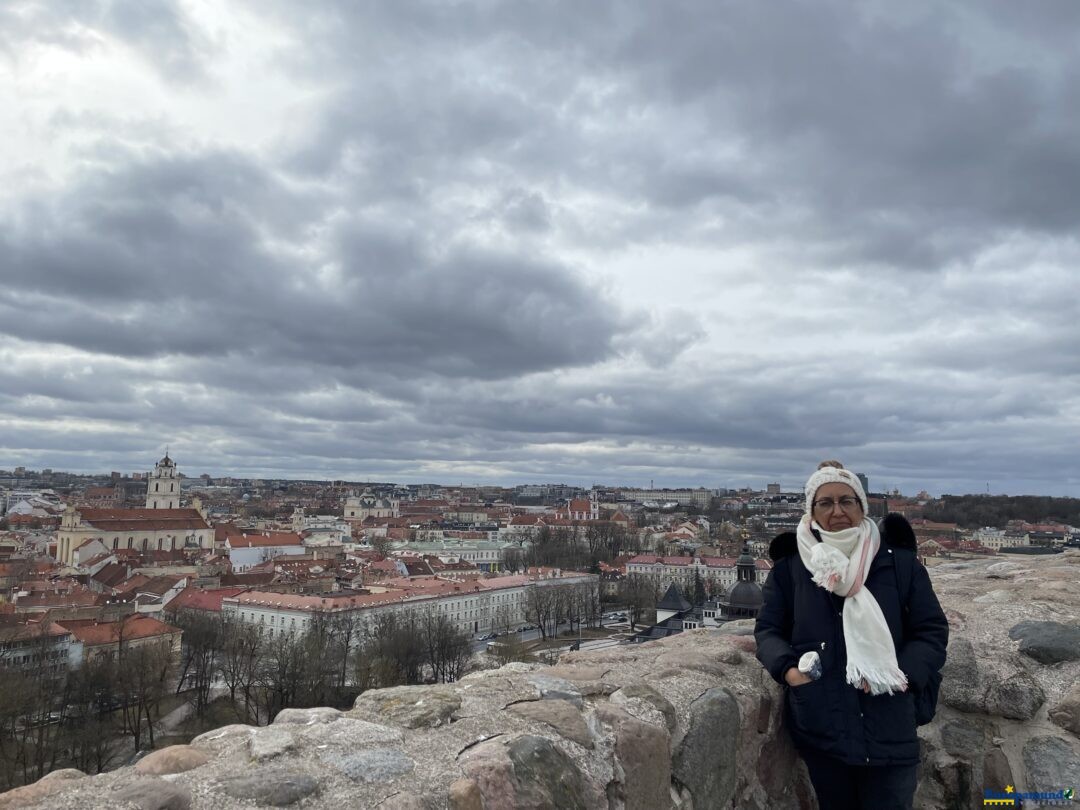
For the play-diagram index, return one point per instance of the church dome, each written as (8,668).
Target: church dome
(745,595)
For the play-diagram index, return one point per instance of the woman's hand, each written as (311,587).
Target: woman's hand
(795,677)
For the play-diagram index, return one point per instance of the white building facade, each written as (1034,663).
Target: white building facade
(477,606)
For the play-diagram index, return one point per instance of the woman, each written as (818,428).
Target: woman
(835,591)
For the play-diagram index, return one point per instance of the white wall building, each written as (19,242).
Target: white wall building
(248,550)
(721,571)
(140,529)
(368,504)
(487,555)
(476,606)
(700,498)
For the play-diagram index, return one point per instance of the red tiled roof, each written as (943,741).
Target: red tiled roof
(129,586)
(24,630)
(264,540)
(159,585)
(93,633)
(203,599)
(383,565)
(223,530)
(74,598)
(142,520)
(111,575)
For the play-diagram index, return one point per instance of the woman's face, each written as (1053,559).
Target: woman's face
(830,510)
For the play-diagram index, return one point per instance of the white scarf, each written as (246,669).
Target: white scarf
(839,564)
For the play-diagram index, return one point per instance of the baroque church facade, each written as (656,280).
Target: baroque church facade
(163,525)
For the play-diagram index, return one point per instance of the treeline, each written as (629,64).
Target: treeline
(549,606)
(570,548)
(335,659)
(976,511)
(52,715)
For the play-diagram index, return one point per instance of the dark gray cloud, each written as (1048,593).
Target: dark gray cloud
(183,256)
(690,242)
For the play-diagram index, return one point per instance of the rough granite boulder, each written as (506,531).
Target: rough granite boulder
(703,755)
(407,706)
(1051,763)
(995,683)
(561,715)
(1048,642)
(174,759)
(683,723)
(527,772)
(1067,711)
(642,773)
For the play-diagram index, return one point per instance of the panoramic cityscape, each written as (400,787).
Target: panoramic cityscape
(492,405)
(142,609)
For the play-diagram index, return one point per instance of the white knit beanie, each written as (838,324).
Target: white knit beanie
(833,472)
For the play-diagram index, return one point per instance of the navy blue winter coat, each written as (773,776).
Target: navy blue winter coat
(829,715)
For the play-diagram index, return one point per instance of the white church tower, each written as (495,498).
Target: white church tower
(163,487)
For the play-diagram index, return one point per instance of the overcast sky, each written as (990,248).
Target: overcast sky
(696,243)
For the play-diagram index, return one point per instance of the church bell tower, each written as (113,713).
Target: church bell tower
(163,486)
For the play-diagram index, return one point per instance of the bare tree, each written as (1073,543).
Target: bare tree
(447,648)
(539,605)
(280,673)
(142,674)
(398,652)
(381,544)
(239,662)
(640,595)
(89,730)
(513,560)
(346,627)
(202,642)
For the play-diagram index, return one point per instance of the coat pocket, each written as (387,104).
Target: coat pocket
(811,710)
(891,718)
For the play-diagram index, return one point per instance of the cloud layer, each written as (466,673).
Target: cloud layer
(696,243)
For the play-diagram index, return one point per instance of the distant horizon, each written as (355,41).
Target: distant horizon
(359,480)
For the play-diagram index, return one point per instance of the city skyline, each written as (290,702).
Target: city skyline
(692,243)
(785,487)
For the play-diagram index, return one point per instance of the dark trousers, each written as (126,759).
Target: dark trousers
(860,787)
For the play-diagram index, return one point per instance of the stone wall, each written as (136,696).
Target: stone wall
(687,722)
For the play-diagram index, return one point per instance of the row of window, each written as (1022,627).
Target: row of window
(23,660)
(159,543)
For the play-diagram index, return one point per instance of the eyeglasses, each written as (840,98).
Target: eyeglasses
(847,503)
